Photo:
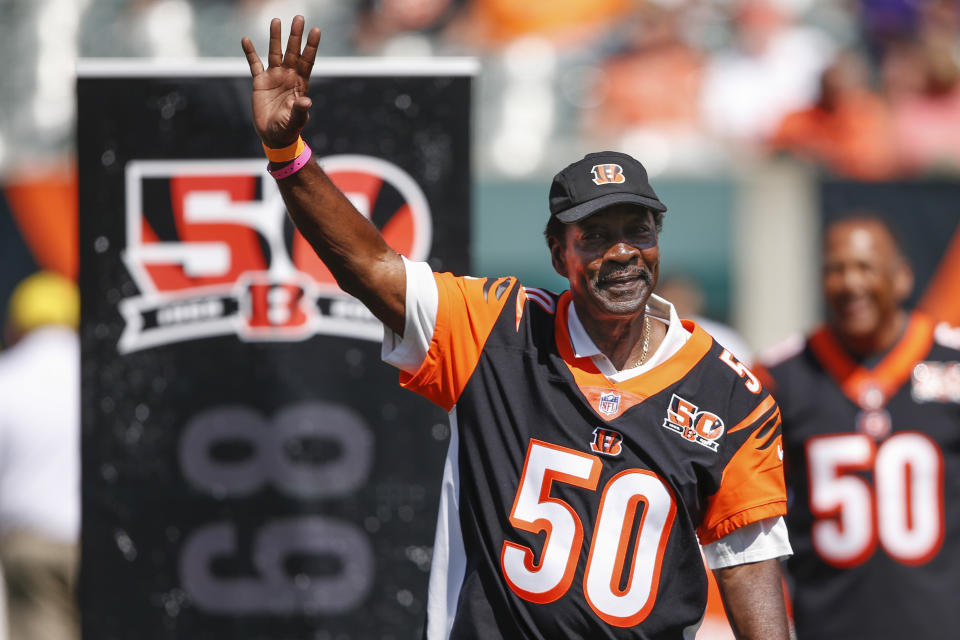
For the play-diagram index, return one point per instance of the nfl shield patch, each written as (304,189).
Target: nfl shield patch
(609,403)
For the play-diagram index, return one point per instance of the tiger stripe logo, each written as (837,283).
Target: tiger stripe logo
(608,174)
(606,441)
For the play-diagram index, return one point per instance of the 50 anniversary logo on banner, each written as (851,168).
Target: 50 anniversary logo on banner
(251,470)
(229,261)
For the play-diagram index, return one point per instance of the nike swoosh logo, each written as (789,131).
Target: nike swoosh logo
(780,452)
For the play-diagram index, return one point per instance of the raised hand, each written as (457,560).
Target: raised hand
(280,104)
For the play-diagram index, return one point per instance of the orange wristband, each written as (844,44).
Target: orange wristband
(286,154)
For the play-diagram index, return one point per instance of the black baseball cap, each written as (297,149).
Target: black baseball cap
(599,181)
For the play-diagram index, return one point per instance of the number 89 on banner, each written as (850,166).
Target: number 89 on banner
(273,590)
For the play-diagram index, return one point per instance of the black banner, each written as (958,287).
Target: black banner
(250,468)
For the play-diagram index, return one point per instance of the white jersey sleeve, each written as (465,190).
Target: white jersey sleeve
(407,352)
(762,540)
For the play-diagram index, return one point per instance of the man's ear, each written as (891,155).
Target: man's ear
(557,256)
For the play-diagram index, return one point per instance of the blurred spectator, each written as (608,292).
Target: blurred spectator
(940,22)
(886,21)
(491,24)
(404,26)
(687,297)
(901,70)
(648,94)
(696,76)
(922,80)
(634,80)
(773,69)
(39,458)
(848,130)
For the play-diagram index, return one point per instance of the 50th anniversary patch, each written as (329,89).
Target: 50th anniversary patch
(212,251)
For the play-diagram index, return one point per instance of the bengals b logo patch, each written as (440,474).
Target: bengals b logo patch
(607,174)
(606,441)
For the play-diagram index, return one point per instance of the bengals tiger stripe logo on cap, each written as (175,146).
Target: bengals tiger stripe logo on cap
(608,174)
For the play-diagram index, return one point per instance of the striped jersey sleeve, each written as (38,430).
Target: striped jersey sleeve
(467,309)
(752,486)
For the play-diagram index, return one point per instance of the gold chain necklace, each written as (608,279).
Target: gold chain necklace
(646,341)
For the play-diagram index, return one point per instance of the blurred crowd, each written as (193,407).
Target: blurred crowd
(867,89)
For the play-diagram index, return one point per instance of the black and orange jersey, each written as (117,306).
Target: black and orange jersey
(873,469)
(575,503)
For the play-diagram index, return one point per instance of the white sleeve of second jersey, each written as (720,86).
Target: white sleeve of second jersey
(761,540)
(407,352)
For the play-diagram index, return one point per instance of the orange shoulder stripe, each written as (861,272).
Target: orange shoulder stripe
(754,415)
(467,310)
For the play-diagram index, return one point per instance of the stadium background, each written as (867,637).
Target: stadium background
(559,79)
(757,120)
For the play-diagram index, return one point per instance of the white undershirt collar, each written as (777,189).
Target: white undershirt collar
(659,309)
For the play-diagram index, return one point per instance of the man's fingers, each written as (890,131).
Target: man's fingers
(292,54)
(274,55)
(309,53)
(256,66)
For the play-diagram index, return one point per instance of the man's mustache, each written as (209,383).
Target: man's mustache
(626,272)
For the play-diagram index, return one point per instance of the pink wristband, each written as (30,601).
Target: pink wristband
(298,163)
